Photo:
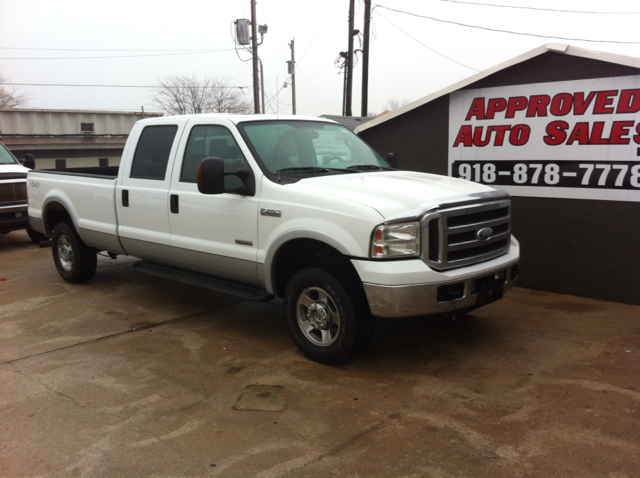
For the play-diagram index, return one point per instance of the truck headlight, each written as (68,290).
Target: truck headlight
(396,240)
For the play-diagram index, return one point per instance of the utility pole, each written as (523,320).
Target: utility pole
(292,72)
(365,58)
(349,65)
(254,49)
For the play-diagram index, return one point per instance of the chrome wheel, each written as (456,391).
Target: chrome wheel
(318,316)
(65,253)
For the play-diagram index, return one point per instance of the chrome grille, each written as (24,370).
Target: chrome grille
(454,238)
(13,193)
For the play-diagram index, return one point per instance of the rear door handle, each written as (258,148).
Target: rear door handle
(174,204)
(125,198)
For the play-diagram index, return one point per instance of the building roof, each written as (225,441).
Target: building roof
(549,47)
(36,110)
(67,142)
(351,122)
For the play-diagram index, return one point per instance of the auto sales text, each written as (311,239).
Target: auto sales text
(558,131)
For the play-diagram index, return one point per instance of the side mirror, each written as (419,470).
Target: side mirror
(29,161)
(211,176)
(393,161)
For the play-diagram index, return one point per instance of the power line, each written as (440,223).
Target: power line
(507,31)
(120,56)
(426,46)
(105,49)
(540,9)
(121,86)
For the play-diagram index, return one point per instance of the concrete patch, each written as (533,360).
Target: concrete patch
(261,398)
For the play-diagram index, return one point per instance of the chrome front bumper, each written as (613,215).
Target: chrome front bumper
(441,297)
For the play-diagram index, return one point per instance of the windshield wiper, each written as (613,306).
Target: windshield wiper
(367,167)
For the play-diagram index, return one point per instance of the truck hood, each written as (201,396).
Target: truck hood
(12,169)
(392,193)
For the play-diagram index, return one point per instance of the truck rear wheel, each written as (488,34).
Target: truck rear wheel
(327,318)
(76,262)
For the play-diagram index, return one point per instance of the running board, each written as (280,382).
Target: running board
(202,280)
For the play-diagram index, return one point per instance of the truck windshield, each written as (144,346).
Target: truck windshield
(5,156)
(309,147)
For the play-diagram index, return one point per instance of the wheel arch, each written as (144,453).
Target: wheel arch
(55,211)
(299,253)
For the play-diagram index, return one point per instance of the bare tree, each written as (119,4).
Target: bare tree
(394,104)
(11,97)
(179,95)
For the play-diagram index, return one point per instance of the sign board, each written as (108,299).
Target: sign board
(571,139)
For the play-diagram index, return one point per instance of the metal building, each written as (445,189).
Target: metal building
(60,139)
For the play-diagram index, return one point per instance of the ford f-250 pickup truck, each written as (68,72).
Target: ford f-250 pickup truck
(296,208)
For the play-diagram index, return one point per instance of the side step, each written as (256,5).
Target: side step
(202,280)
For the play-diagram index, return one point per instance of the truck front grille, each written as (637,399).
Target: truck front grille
(13,193)
(466,235)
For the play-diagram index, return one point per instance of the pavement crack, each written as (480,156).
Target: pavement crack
(378,426)
(138,427)
(116,334)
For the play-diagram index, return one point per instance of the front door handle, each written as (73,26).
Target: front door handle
(125,198)
(174,204)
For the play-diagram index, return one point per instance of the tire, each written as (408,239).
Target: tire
(36,236)
(76,262)
(328,319)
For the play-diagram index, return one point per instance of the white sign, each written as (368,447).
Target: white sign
(572,139)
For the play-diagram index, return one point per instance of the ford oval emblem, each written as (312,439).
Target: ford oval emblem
(484,233)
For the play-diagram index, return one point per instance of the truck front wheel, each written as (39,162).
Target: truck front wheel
(76,262)
(327,318)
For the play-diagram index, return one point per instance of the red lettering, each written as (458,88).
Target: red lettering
(495,106)
(477,136)
(538,105)
(636,138)
(580,134)
(464,136)
(561,104)
(581,104)
(596,134)
(477,109)
(516,103)
(604,99)
(556,133)
(618,130)
(500,132)
(519,134)
(629,101)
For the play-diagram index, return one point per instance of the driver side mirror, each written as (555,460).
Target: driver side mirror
(211,176)
(392,160)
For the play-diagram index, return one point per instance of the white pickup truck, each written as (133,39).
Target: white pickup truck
(301,209)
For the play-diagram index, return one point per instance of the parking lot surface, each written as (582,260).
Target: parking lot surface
(132,376)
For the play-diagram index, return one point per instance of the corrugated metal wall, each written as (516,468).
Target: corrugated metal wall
(44,122)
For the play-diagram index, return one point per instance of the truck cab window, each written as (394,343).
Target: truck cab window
(206,141)
(152,153)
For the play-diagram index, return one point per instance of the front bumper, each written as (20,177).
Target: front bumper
(441,297)
(13,218)
(410,288)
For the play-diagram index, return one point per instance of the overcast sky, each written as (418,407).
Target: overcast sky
(136,42)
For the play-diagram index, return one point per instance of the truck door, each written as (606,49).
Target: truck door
(213,234)
(143,191)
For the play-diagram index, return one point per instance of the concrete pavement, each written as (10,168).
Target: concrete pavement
(130,376)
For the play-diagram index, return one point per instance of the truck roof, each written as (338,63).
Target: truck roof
(242,118)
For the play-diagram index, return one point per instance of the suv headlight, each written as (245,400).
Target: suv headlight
(396,240)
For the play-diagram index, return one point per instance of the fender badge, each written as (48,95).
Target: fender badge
(270,212)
